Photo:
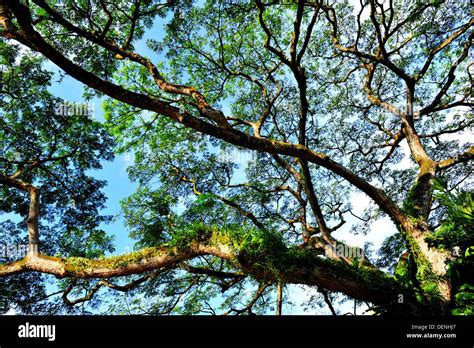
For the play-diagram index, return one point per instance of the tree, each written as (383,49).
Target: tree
(46,151)
(324,97)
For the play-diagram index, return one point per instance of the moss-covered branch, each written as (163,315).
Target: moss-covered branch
(259,254)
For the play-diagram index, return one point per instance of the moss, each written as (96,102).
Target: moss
(79,263)
(50,258)
(267,254)
(422,275)
(410,205)
(448,235)
(264,250)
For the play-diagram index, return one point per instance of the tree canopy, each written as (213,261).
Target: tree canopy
(320,99)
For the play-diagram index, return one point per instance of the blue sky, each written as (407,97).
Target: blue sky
(119,186)
(114,173)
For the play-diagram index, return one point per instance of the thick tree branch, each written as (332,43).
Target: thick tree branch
(463,157)
(337,276)
(434,51)
(449,79)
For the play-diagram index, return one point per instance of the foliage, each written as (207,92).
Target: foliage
(68,147)
(316,97)
(458,229)
(456,233)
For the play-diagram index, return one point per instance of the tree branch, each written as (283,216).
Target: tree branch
(357,282)
(463,157)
